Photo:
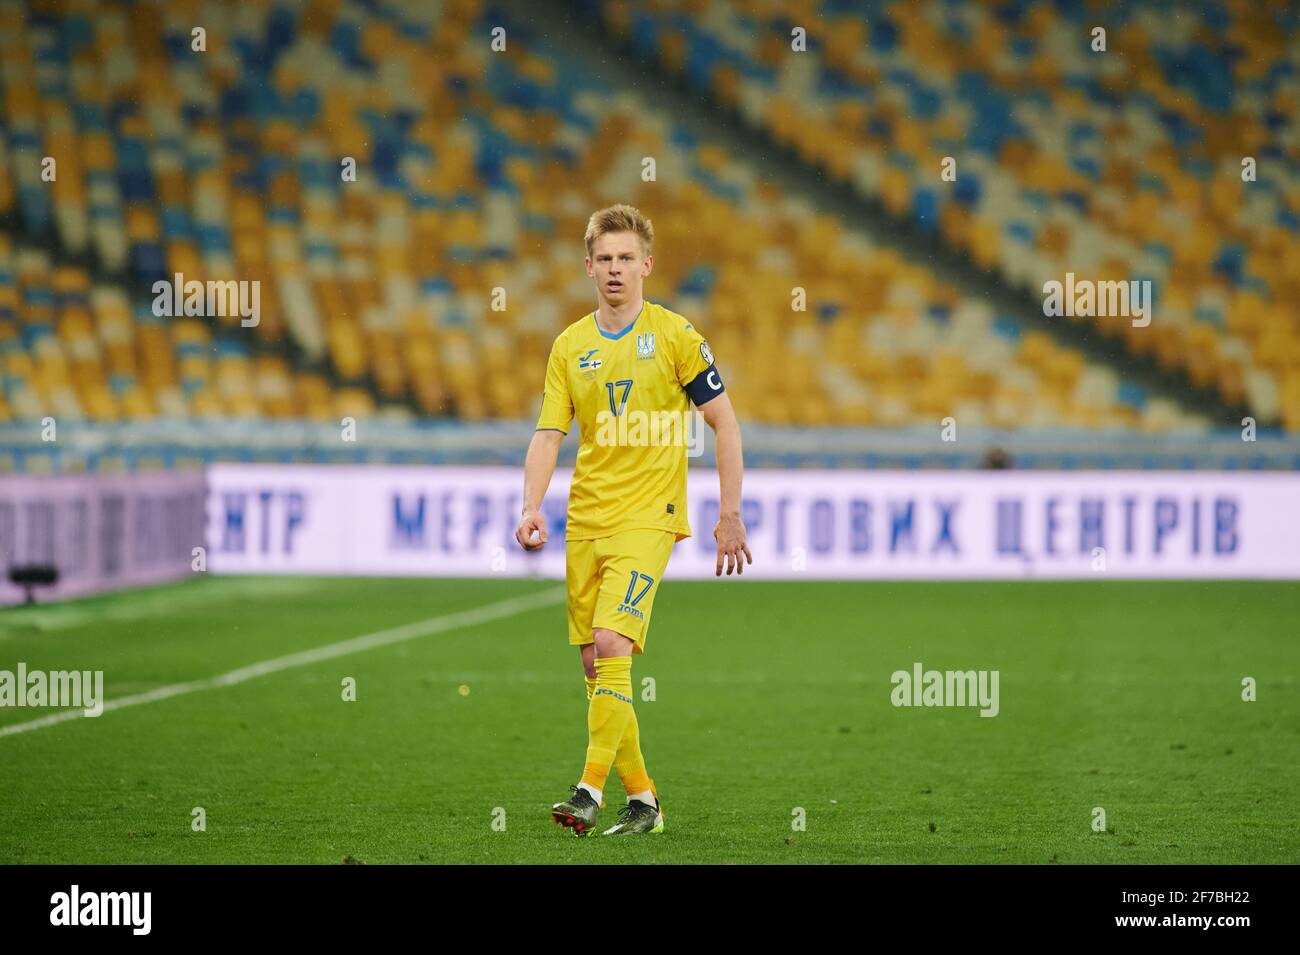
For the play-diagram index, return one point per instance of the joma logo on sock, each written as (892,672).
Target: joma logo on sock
(946,688)
(618,696)
(102,908)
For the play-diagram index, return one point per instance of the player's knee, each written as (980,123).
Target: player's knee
(589,660)
(609,643)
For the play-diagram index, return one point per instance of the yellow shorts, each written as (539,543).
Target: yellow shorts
(612,583)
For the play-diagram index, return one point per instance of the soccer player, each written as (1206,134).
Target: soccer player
(628,372)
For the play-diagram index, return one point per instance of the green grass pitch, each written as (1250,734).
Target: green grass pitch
(769,697)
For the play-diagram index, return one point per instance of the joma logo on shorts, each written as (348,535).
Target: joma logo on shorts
(620,696)
(627,608)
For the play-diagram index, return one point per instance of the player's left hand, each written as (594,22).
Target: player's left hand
(730,535)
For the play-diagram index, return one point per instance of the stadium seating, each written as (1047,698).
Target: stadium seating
(476,171)
(1063,162)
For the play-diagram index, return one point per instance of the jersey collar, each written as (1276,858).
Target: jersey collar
(622,331)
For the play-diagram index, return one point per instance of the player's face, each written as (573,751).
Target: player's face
(617,265)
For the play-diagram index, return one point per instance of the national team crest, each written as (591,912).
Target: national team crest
(645,345)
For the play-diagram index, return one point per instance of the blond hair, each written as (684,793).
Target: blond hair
(620,218)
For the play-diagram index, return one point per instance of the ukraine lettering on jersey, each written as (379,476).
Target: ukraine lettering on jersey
(651,371)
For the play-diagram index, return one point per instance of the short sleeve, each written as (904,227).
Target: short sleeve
(557,404)
(694,367)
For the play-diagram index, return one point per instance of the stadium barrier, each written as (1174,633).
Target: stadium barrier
(101,531)
(304,519)
(164,444)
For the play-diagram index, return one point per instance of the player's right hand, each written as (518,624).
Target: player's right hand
(531,522)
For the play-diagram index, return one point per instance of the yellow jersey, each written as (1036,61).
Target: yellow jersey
(631,392)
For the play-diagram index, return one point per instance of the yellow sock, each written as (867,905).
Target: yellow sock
(607,716)
(591,691)
(628,762)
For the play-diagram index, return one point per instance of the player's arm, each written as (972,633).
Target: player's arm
(703,385)
(544,448)
(730,531)
(539,467)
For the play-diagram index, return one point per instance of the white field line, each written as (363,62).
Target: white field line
(367,641)
(38,620)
